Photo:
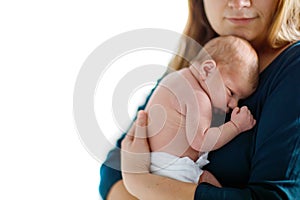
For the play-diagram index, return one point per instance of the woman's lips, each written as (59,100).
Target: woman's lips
(240,21)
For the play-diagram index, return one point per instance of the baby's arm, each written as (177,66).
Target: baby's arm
(241,120)
(212,138)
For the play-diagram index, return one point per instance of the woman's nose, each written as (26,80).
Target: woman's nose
(238,4)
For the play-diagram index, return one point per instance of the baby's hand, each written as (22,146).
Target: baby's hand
(242,118)
(207,177)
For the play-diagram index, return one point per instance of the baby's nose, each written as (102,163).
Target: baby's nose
(232,103)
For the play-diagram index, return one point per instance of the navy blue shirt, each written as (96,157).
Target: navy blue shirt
(263,163)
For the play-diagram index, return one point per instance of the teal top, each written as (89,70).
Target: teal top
(263,163)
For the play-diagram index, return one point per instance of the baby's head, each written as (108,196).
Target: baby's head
(237,63)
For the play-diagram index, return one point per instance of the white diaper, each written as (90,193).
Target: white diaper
(183,169)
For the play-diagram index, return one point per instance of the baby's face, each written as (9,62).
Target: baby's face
(229,91)
(237,88)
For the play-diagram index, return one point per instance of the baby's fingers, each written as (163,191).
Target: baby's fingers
(236,110)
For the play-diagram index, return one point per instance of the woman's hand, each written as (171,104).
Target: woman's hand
(135,153)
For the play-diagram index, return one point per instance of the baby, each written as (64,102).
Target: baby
(181,108)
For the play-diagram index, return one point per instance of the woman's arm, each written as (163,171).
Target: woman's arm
(150,186)
(118,191)
(185,191)
(135,162)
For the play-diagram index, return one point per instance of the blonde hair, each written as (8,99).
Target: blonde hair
(284,29)
(286,26)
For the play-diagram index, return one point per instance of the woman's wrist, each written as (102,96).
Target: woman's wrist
(150,186)
(118,191)
(136,184)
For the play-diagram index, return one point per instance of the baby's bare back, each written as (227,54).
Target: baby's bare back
(167,114)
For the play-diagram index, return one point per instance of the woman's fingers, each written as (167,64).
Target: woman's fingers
(138,128)
(135,154)
(141,125)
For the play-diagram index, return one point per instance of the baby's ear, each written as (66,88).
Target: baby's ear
(207,68)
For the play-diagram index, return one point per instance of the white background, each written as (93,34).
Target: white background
(42,47)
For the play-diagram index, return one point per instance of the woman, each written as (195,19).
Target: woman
(263,163)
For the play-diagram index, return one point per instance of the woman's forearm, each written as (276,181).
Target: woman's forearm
(118,191)
(135,164)
(151,186)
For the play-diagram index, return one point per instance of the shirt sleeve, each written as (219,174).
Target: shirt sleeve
(110,170)
(275,162)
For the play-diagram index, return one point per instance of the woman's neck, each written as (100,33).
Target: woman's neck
(267,54)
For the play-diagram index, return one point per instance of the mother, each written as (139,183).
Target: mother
(263,163)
